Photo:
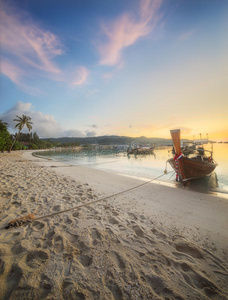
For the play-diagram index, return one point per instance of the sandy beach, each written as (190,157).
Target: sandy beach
(154,242)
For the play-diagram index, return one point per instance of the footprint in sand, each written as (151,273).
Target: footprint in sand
(38,225)
(66,198)
(79,194)
(115,213)
(76,214)
(159,234)
(2,266)
(185,267)
(113,286)
(142,217)
(121,227)
(69,291)
(32,199)
(16,203)
(72,238)
(58,244)
(138,231)
(85,260)
(36,258)
(96,234)
(45,286)
(15,196)
(113,221)
(82,247)
(196,280)
(8,235)
(92,210)
(17,249)
(158,285)
(119,260)
(67,221)
(56,208)
(133,216)
(189,250)
(13,279)
(90,196)
(50,234)
(15,234)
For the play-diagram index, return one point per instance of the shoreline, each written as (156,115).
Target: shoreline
(151,243)
(213,192)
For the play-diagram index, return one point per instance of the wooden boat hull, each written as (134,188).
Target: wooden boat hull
(193,168)
(189,168)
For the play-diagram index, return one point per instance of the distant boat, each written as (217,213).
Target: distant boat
(190,168)
(141,150)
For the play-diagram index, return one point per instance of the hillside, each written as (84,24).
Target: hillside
(111,140)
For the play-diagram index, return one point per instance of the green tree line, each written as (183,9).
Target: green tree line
(23,141)
(5,137)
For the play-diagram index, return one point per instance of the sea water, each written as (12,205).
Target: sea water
(147,166)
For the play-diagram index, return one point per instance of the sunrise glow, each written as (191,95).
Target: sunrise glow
(135,68)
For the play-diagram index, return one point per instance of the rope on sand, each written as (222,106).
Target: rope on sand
(29,218)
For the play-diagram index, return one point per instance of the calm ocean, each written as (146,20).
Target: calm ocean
(147,166)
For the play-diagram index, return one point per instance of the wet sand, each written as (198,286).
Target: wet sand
(155,242)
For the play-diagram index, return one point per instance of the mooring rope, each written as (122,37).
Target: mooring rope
(100,200)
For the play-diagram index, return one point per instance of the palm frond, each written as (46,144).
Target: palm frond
(29,127)
(22,121)
(17,120)
(4,123)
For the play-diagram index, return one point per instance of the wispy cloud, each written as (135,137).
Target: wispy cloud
(31,45)
(12,71)
(186,35)
(28,51)
(16,74)
(81,76)
(92,92)
(126,30)
(108,75)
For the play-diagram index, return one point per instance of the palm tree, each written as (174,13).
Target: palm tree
(22,121)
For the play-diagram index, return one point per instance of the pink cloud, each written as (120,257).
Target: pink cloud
(126,30)
(15,74)
(149,9)
(186,35)
(81,76)
(28,50)
(108,75)
(11,71)
(26,44)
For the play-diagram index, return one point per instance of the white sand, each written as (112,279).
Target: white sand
(155,242)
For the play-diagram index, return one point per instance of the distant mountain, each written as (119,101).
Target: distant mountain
(111,140)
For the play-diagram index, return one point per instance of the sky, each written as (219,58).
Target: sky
(115,67)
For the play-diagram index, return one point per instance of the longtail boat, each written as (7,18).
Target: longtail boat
(190,168)
(141,150)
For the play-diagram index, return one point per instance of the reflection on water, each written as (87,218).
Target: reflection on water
(147,166)
(205,184)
